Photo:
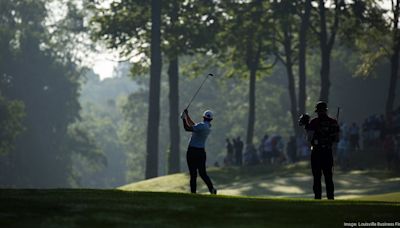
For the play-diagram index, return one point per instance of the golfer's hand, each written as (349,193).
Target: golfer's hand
(183,115)
(186,111)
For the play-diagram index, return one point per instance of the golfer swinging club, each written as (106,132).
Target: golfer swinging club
(196,154)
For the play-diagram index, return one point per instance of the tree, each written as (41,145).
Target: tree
(394,56)
(376,33)
(125,27)
(247,40)
(154,96)
(12,114)
(187,29)
(195,35)
(284,12)
(173,77)
(46,83)
(305,23)
(326,35)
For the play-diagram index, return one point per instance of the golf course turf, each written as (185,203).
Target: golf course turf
(110,208)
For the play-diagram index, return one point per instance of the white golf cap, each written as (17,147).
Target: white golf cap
(208,114)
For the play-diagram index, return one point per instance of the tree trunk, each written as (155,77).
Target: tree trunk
(291,83)
(394,74)
(154,92)
(252,65)
(252,106)
(325,81)
(174,156)
(324,71)
(394,61)
(305,21)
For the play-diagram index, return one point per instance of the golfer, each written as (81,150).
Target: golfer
(196,154)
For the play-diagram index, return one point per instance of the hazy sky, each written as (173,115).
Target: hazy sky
(103,66)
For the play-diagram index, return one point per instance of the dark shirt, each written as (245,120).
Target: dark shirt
(325,129)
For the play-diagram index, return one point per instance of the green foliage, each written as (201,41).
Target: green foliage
(366,28)
(247,30)
(42,75)
(124,26)
(83,145)
(369,61)
(12,114)
(226,97)
(187,27)
(103,121)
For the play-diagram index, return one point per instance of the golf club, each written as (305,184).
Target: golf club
(199,89)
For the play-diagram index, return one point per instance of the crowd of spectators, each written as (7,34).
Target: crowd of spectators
(234,154)
(372,130)
(375,133)
(269,151)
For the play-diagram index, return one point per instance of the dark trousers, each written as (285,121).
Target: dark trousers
(322,162)
(239,158)
(196,160)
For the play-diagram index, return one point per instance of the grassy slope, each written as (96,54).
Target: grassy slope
(294,181)
(106,208)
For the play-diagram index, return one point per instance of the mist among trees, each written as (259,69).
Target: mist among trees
(62,126)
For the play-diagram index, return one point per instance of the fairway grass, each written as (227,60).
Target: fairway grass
(290,181)
(116,208)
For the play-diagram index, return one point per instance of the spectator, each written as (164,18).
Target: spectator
(373,130)
(267,150)
(343,149)
(277,149)
(303,149)
(291,149)
(238,145)
(397,141)
(261,148)
(228,161)
(389,148)
(250,156)
(354,137)
(396,120)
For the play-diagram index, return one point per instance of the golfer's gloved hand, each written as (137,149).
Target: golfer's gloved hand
(304,120)
(184,114)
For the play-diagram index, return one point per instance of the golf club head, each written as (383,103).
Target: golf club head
(210,75)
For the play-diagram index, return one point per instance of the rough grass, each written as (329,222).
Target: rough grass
(293,181)
(115,208)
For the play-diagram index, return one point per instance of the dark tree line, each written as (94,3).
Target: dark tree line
(44,81)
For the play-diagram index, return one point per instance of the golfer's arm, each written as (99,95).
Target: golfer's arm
(190,121)
(186,126)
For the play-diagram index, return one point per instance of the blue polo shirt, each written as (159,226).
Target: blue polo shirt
(199,135)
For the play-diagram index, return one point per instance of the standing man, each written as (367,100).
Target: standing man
(354,137)
(238,144)
(196,154)
(322,132)
(229,153)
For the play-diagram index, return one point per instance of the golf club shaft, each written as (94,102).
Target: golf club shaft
(337,114)
(197,91)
